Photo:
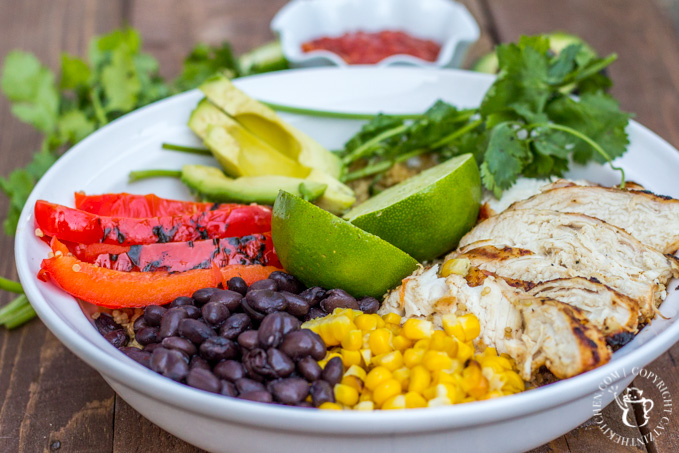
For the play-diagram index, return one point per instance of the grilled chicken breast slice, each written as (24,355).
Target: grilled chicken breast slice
(650,218)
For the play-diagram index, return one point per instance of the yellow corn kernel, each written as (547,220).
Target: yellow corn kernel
(493,394)
(350,358)
(380,341)
(341,327)
(494,363)
(330,406)
(452,326)
(504,362)
(376,376)
(443,377)
(379,320)
(392,318)
(366,354)
(395,402)
(465,351)
(345,394)
(365,322)
(402,375)
(458,266)
(354,382)
(473,381)
(412,357)
(366,395)
(365,406)
(420,378)
(391,361)
(385,390)
(417,329)
(429,393)
(327,358)
(442,342)
(356,370)
(450,391)
(439,401)
(436,360)
(414,400)
(490,352)
(353,340)
(422,344)
(512,382)
(395,329)
(401,343)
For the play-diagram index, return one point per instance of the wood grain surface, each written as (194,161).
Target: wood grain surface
(51,401)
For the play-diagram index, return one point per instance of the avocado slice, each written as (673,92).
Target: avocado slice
(264,123)
(212,184)
(338,198)
(238,151)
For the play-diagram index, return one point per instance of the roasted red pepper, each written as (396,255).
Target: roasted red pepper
(115,289)
(74,225)
(180,256)
(139,206)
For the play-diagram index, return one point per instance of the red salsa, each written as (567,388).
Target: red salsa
(369,48)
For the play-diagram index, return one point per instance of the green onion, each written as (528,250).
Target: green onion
(187,149)
(145,174)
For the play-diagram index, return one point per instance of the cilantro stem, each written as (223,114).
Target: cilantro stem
(383,165)
(145,174)
(186,149)
(333,114)
(587,140)
(451,137)
(10,285)
(362,150)
(589,71)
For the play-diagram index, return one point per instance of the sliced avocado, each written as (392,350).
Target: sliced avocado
(238,151)
(263,122)
(487,64)
(337,198)
(213,185)
(266,58)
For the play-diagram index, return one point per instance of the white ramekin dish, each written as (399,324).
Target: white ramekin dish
(443,21)
(101,163)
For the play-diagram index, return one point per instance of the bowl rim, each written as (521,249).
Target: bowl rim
(128,373)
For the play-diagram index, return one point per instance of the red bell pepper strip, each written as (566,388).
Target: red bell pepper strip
(74,225)
(139,206)
(115,289)
(180,256)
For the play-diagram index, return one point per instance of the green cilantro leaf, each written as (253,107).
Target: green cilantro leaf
(74,72)
(506,156)
(203,62)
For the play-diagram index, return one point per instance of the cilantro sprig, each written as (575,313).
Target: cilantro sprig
(529,121)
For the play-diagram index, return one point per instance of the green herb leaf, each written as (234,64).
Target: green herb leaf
(203,62)
(74,72)
(506,156)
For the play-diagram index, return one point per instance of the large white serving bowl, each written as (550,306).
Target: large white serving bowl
(101,163)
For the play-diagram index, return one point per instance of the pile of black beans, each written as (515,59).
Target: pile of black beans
(243,342)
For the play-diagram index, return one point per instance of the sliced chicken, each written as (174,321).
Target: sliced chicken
(652,219)
(534,331)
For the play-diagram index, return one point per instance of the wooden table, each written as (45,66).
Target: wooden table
(51,401)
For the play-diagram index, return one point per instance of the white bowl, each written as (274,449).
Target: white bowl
(442,21)
(101,162)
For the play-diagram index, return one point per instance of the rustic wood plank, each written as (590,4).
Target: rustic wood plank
(48,397)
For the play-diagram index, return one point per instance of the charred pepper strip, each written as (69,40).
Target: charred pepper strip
(140,206)
(180,256)
(115,289)
(74,225)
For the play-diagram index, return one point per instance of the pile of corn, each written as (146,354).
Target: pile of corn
(389,366)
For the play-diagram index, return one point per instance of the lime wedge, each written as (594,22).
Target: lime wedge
(426,215)
(323,250)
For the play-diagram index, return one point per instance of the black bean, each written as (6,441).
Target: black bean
(199,362)
(228,389)
(117,338)
(266,301)
(231,370)
(280,363)
(369,305)
(238,285)
(246,385)
(218,348)
(338,298)
(290,390)
(181,301)
(266,284)
(256,364)
(309,369)
(260,397)
(180,344)
(139,323)
(215,313)
(321,392)
(153,314)
(302,343)
(274,327)
(313,295)
(170,363)
(203,380)
(192,311)
(297,306)
(195,330)
(229,298)
(287,282)
(314,313)
(169,325)
(139,356)
(105,323)
(252,313)
(333,371)
(152,347)
(248,339)
(202,296)
(147,335)
(234,326)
